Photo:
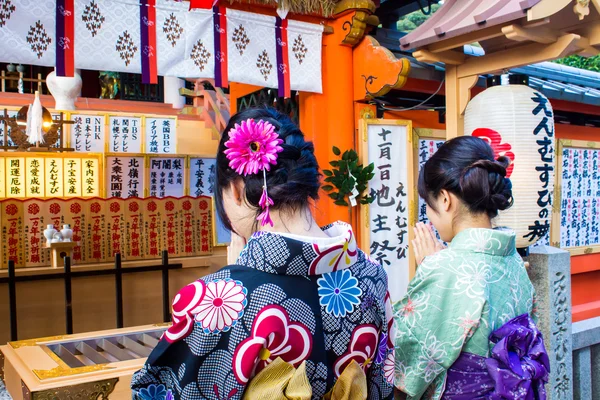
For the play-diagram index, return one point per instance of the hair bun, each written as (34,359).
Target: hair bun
(290,152)
(485,187)
(489,165)
(465,166)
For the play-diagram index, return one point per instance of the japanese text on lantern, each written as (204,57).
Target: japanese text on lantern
(389,213)
(125,176)
(87,133)
(34,241)
(13,239)
(34,223)
(72,168)
(125,134)
(166,177)
(77,218)
(15,176)
(91,177)
(133,227)
(201,176)
(152,228)
(205,233)
(544,132)
(580,198)
(188,247)
(35,183)
(54,177)
(96,231)
(115,221)
(161,134)
(171,228)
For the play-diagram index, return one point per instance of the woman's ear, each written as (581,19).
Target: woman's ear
(446,200)
(237,189)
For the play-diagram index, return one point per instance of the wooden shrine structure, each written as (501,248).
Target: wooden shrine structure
(511,32)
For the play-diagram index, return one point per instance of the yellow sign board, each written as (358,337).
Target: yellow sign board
(29,175)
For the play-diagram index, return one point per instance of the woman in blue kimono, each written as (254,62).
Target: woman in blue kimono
(465,328)
(299,293)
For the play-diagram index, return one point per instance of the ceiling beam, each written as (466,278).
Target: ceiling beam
(459,41)
(522,55)
(538,34)
(592,32)
(450,57)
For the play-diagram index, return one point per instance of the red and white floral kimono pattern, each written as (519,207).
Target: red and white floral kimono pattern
(316,300)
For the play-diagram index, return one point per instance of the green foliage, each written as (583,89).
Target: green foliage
(410,21)
(589,63)
(339,183)
(405,25)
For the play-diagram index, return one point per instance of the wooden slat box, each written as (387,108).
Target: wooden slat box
(87,365)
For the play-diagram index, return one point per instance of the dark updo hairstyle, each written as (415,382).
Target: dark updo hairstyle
(292,182)
(466,167)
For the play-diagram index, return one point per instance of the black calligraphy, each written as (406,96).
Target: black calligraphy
(544,131)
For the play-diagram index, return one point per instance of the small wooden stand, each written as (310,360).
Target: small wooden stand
(59,251)
(91,365)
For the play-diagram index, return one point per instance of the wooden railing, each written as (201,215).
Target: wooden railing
(211,104)
(39,81)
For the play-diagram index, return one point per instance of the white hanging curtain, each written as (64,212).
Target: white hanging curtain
(107,38)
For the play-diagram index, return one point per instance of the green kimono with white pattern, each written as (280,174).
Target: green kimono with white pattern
(458,297)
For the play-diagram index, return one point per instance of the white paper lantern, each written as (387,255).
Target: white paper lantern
(518,122)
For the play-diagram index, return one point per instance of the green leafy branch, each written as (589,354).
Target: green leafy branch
(346,175)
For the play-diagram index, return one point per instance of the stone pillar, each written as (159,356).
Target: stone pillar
(172,85)
(550,273)
(586,359)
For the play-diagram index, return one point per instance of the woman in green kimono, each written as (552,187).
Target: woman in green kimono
(464,328)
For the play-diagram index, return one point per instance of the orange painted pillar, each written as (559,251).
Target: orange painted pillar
(328,118)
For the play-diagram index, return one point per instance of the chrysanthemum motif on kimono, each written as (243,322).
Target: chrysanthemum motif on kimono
(472,278)
(339,292)
(412,307)
(156,392)
(458,297)
(223,304)
(318,301)
(389,367)
(216,306)
(432,355)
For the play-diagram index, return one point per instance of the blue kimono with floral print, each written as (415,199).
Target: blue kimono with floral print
(321,301)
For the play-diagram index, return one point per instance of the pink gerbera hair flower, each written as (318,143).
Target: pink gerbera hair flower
(252,147)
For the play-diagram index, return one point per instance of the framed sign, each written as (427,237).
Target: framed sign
(50,175)
(125,134)
(160,135)
(385,224)
(576,212)
(167,177)
(88,133)
(125,176)
(426,142)
(201,178)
